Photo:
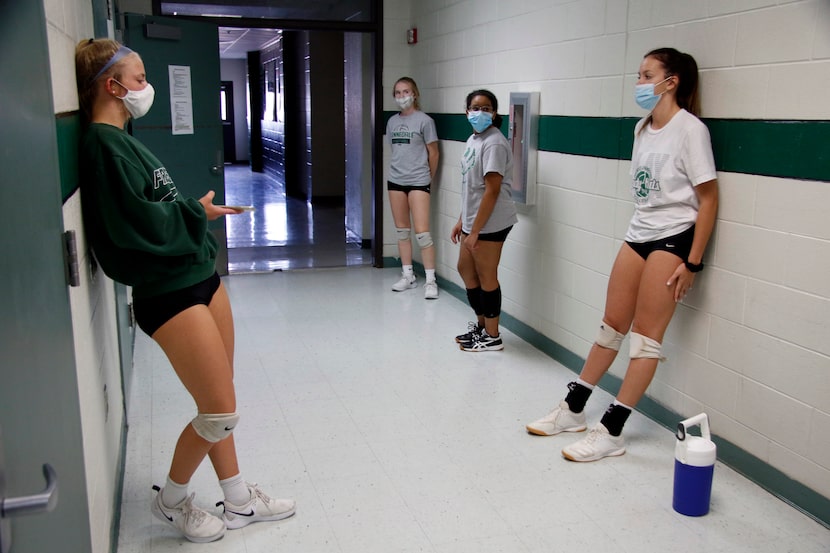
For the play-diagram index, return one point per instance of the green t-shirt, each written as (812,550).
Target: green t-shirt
(142,233)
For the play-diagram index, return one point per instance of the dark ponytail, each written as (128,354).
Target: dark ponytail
(684,67)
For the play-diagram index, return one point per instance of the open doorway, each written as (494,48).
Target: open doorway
(305,164)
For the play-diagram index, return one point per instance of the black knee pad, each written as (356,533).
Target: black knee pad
(474,298)
(491,303)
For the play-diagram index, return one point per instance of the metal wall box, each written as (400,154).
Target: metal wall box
(523,135)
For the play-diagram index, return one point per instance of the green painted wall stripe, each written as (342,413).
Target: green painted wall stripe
(771,479)
(69,135)
(788,149)
(793,149)
(606,137)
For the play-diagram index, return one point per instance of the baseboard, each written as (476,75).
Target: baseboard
(799,496)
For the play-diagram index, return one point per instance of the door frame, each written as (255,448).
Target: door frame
(375,29)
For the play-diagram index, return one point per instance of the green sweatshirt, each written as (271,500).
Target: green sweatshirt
(141,232)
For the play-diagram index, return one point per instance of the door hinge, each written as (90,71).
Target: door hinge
(70,255)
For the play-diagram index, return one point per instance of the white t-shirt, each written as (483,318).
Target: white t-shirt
(487,152)
(666,165)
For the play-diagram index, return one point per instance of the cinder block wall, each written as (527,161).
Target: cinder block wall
(749,346)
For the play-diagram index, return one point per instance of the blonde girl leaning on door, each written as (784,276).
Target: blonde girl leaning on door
(145,235)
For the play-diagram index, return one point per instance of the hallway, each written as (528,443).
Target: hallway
(356,402)
(283,233)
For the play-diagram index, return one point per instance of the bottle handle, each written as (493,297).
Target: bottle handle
(683,426)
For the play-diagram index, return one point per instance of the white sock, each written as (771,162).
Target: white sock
(430,275)
(172,493)
(623,405)
(584,384)
(236,490)
(408,270)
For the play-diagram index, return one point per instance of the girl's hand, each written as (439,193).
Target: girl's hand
(455,235)
(214,211)
(471,242)
(682,280)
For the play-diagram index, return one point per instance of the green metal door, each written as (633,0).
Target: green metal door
(40,416)
(194,156)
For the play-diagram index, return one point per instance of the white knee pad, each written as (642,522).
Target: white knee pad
(643,347)
(403,233)
(608,337)
(424,239)
(215,427)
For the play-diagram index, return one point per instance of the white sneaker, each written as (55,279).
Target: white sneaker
(259,508)
(194,523)
(561,419)
(406,282)
(596,445)
(431,290)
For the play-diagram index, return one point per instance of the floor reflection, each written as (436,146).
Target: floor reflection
(283,233)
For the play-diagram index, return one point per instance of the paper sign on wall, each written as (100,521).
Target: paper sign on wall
(181,99)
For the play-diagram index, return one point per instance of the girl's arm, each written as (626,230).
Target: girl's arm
(432,156)
(707,195)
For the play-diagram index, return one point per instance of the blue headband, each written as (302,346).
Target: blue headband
(123,51)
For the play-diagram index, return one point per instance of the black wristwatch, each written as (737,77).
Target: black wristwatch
(694,268)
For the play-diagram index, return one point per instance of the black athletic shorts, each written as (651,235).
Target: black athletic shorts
(679,244)
(152,313)
(499,236)
(406,189)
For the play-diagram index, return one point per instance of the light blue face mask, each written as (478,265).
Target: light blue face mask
(644,95)
(480,120)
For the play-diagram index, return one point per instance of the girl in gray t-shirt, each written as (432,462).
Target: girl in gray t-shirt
(414,143)
(487,215)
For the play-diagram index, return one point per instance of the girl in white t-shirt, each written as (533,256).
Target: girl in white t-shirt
(675,191)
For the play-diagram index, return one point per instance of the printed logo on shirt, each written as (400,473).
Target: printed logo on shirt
(401,135)
(468,160)
(647,177)
(161,179)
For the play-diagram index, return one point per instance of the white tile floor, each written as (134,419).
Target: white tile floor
(356,402)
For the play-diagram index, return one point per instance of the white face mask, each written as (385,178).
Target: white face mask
(138,102)
(405,101)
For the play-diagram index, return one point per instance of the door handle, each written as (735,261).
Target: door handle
(42,502)
(219,166)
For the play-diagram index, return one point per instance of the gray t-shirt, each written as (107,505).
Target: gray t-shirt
(408,136)
(487,152)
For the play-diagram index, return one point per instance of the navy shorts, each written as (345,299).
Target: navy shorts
(406,189)
(152,313)
(499,236)
(679,244)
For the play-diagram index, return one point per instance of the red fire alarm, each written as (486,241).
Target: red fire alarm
(412,35)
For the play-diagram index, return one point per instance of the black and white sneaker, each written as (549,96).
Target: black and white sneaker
(483,342)
(473,332)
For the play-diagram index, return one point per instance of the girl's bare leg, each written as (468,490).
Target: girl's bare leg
(486,259)
(199,344)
